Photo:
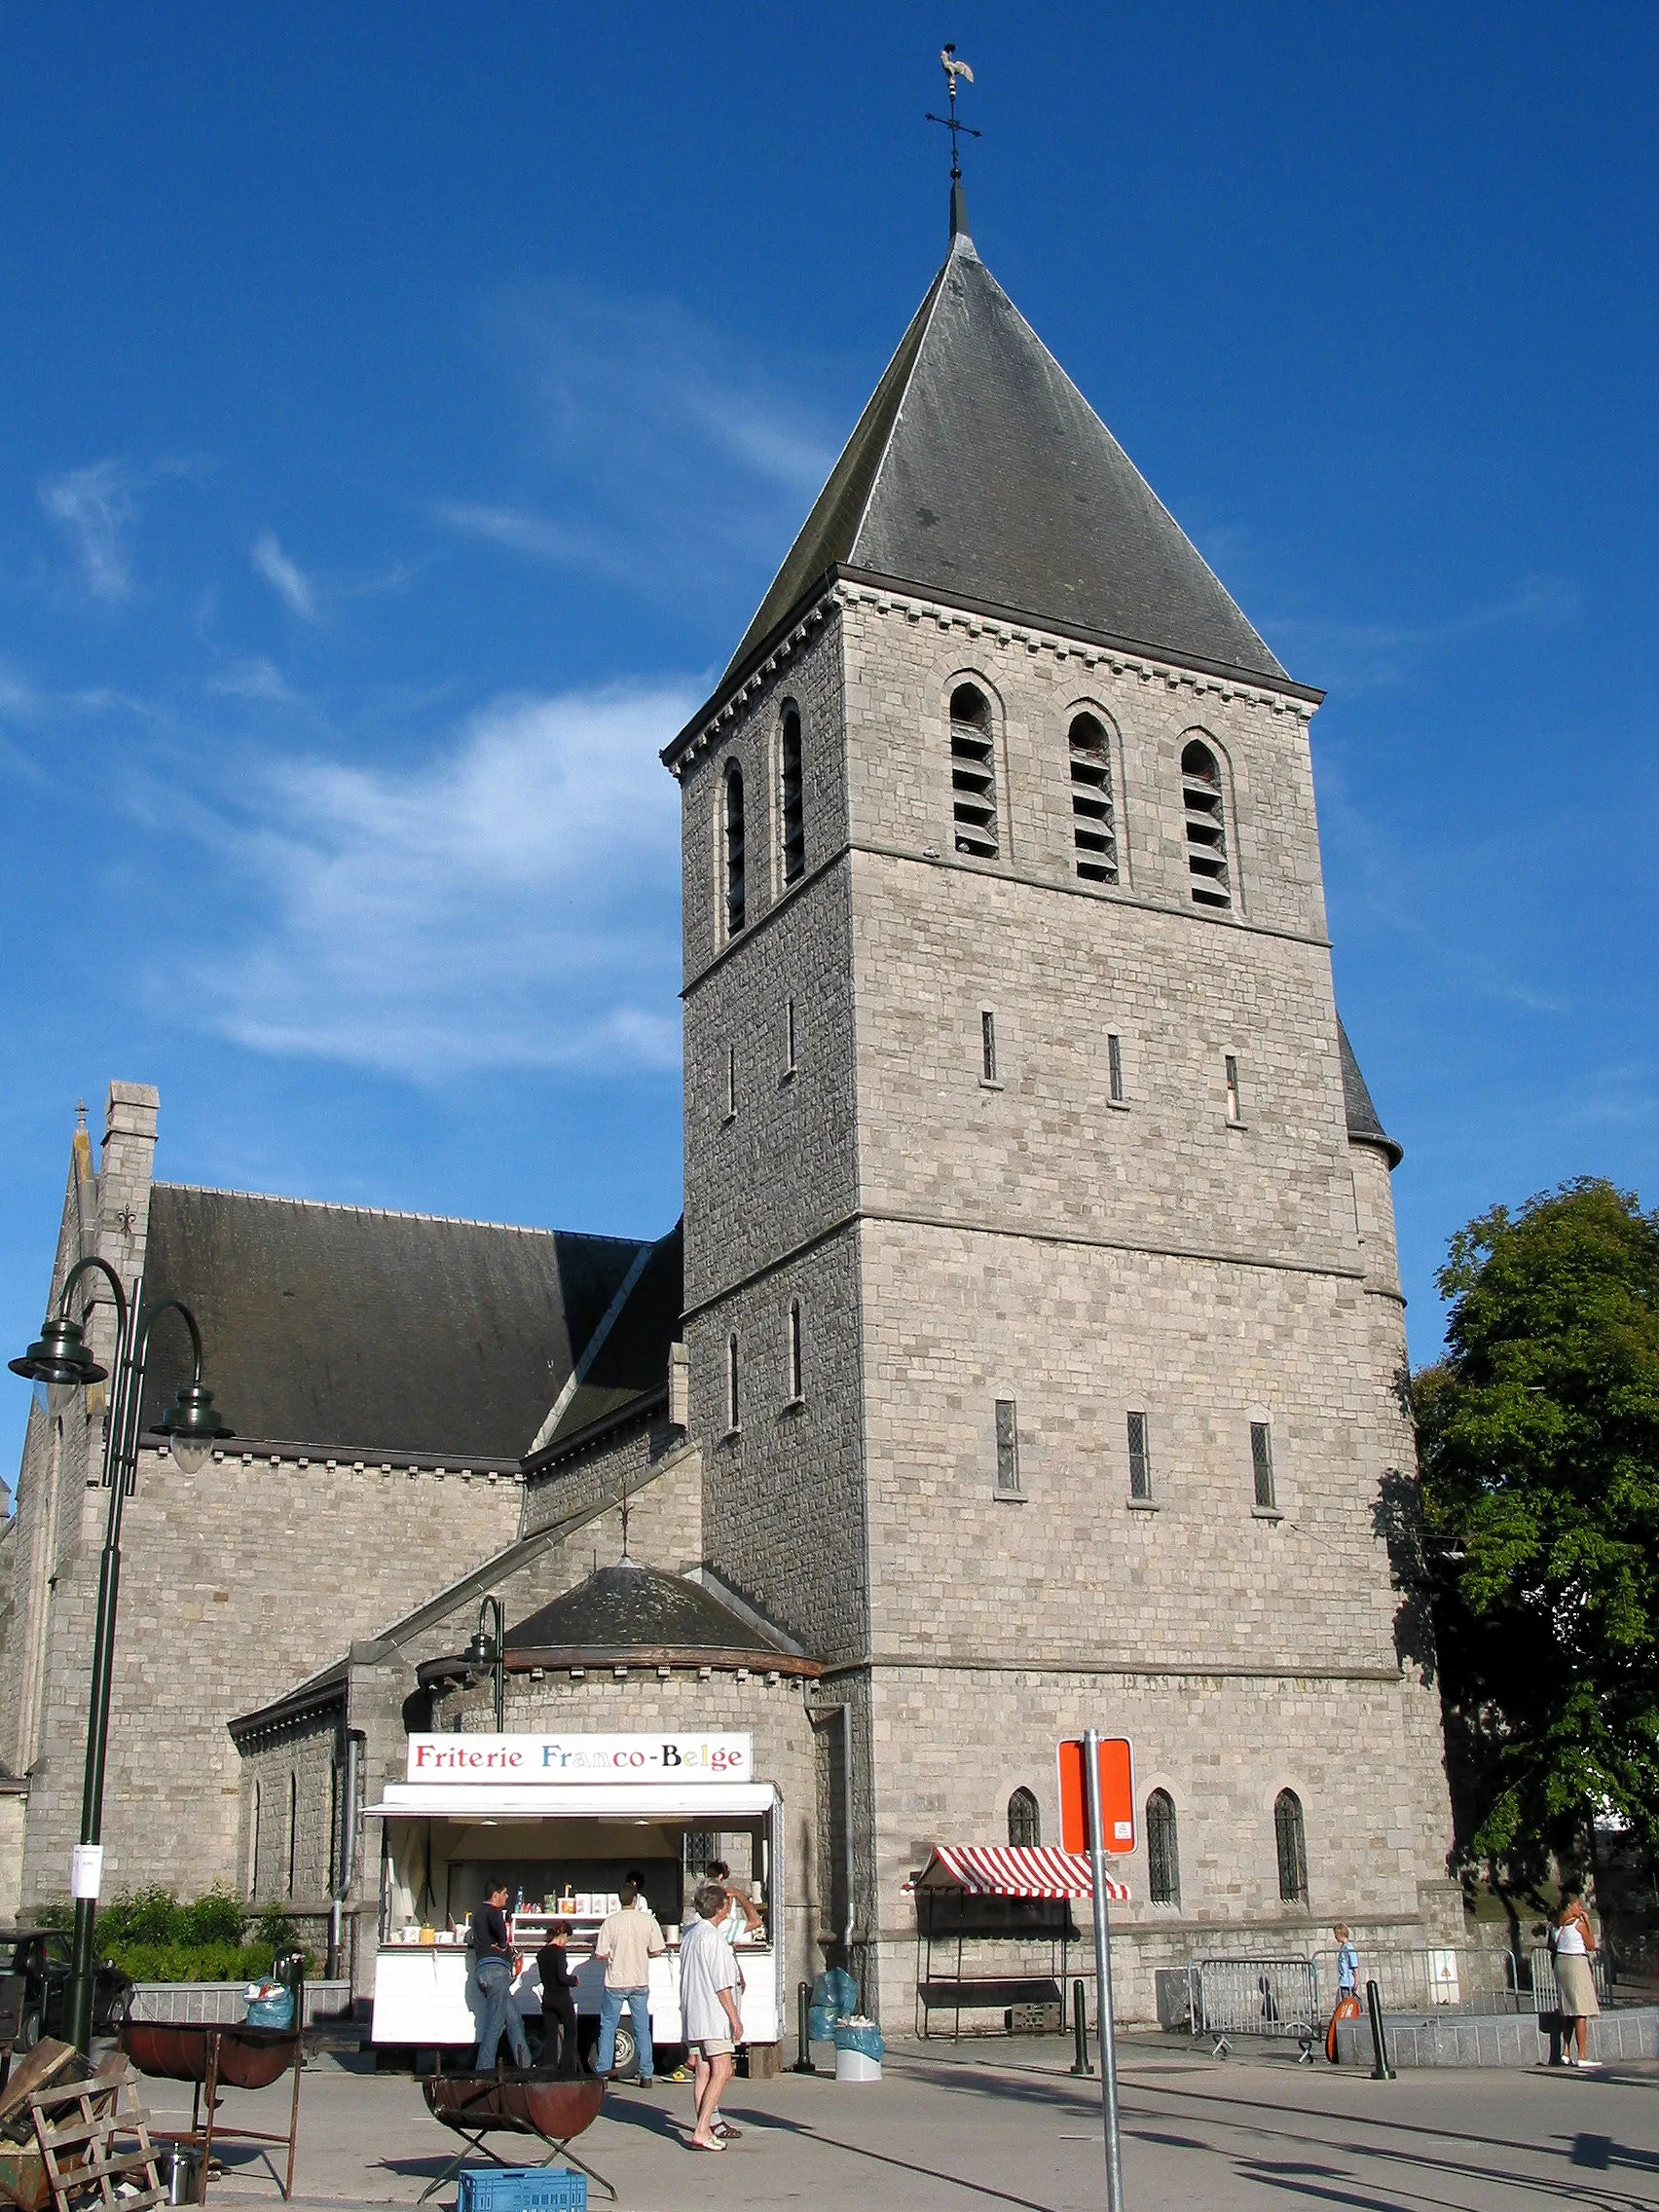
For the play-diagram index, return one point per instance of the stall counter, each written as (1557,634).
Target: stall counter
(426,1994)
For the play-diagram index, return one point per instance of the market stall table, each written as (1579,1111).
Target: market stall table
(1017,1896)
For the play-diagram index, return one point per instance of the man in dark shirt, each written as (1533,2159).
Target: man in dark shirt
(497,2007)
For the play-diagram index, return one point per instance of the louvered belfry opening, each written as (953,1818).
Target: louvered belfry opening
(735,902)
(972,773)
(1207,827)
(1094,828)
(791,808)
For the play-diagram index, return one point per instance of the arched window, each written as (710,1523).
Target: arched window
(731,1386)
(791,812)
(972,773)
(293,1828)
(1207,826)
(1094,823)
(254,1846)
(1025,1821)
(1291,1837)
(1162,1849)
(796,1373)
(734,899)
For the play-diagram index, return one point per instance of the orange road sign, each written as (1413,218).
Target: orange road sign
(1116,1795)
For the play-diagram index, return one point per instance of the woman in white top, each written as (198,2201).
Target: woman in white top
(1575,1986)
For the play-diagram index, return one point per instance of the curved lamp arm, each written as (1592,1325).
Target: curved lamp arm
(94,1264)
(153,1314)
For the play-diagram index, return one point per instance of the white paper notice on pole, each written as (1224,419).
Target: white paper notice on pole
(86,1871)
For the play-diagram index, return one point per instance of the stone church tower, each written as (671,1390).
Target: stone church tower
(1041,1307)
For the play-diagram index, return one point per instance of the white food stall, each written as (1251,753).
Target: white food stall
(562,1820)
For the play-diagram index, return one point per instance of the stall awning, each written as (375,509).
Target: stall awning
(1012,1870)
(709,1801)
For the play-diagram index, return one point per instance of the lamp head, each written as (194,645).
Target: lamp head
(481,1651)
(191,1427)
(59,1362)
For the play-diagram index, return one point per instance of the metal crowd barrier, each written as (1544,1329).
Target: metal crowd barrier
(1254,1997)
(1545,1997)
(1462,1978)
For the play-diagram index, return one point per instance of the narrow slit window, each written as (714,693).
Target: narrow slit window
(1094,823)
(1207,827)
(796,1393)
(732,1406)
(788,1037)
(1162,1849)
(253,1844)
(1261,1463)
(972,773)
(1140,1457)
(732,1081)
(1024,1820)
(293,1829)
(1114,1070)
(1007,1449)
(988,1047)
(735,903)
(1290,1835)
(1235,1097)
(791,812)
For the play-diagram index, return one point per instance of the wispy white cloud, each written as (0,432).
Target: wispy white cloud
(286,579)
(1356,656)
(512,901)
(536,535)
(94,506)
(253,678)
(661,456)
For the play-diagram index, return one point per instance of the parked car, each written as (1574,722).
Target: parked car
(39,1959)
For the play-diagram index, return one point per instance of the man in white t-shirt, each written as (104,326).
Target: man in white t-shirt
(707,2011)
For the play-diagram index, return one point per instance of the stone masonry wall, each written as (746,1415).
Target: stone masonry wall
(236,1584)
(951,1746)
(782,1493)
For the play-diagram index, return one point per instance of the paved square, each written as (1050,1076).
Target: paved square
(1002,2124)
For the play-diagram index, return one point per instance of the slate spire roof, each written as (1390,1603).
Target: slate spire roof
(979,472)
(1364,1122)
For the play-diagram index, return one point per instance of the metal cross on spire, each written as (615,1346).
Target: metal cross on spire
(953,69)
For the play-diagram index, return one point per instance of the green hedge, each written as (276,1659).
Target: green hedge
(150,1935)
(192,1962)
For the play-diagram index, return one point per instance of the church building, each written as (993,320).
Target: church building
(1030,1356)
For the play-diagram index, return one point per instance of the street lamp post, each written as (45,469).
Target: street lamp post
(62,1362)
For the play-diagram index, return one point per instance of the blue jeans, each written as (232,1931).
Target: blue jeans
(499,2010)
(611,2004)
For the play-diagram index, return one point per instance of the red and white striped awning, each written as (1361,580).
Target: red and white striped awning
(1012,1870)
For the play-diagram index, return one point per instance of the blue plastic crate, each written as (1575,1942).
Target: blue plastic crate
(521,2189)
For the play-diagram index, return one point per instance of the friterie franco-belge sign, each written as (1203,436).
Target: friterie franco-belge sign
(567,1758)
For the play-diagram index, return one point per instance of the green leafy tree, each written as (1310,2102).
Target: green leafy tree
(1538,1437)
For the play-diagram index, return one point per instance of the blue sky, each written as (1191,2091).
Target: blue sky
(403,411)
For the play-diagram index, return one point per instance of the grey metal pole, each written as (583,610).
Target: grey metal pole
(1104,2026)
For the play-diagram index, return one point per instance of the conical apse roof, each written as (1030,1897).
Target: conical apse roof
(979,471)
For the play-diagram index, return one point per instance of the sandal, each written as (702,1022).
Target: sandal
(693,2144)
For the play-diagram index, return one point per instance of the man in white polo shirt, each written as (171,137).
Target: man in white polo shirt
(708,2006)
